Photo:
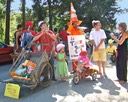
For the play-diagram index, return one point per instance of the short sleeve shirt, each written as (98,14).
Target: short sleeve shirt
(63,35)
(97,36)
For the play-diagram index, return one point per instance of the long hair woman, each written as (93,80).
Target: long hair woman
(121,64)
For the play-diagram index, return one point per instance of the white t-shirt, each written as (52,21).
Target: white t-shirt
(97,36)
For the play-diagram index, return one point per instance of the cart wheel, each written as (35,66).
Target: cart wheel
(94,76)
(45,76)
(76,79)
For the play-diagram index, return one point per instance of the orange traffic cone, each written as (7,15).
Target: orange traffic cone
(73,16)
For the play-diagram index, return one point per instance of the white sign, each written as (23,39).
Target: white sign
(76,43)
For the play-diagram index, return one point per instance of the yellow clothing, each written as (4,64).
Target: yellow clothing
(99,55)
(74,31)
(111,50)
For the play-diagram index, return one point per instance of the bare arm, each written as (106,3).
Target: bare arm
(37,37)
(94,44)
(100,43)
(121,40)
(17,36)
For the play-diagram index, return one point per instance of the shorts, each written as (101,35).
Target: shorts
(99,55)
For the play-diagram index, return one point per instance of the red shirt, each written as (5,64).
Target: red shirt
(32,32)
(45,39)
(63,35)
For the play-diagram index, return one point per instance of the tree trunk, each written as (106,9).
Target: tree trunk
(23,13)
(7,29)
(50,14)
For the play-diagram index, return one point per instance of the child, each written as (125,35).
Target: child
(86,66)
(84,59)
(111,50)
(62,68)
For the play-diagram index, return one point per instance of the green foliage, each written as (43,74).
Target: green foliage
(15,19)
(86,10)
(2,20)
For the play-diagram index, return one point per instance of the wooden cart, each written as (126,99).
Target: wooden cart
(41,75)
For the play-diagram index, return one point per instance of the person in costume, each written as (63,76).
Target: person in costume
(73,29)
(46,39)
(28,35)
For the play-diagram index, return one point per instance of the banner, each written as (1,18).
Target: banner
(12,90)
(76,43)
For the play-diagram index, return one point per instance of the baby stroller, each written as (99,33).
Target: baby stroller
(84,70)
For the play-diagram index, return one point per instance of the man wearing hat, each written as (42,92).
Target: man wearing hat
(74,30)
(46,39)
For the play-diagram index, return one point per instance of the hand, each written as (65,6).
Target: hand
(112,35)
(96,49)
(46,32)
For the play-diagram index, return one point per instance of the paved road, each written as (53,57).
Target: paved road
(103,90)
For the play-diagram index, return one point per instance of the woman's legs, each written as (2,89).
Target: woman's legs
(121,68)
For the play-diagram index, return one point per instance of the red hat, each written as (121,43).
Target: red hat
(83,53)
(29,23)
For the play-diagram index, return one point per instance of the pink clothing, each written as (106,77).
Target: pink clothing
(85,60)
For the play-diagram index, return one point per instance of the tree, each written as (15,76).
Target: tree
(58,12)
(2,20)
(88,10)
(50,13)
(7,31)
(39,12)
(23,12)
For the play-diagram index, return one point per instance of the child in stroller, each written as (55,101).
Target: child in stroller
(84,69)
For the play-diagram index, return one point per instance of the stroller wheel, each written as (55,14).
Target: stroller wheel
(76,79)
(94,76)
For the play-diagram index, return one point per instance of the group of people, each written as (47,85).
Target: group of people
(98,36)
(48,42)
